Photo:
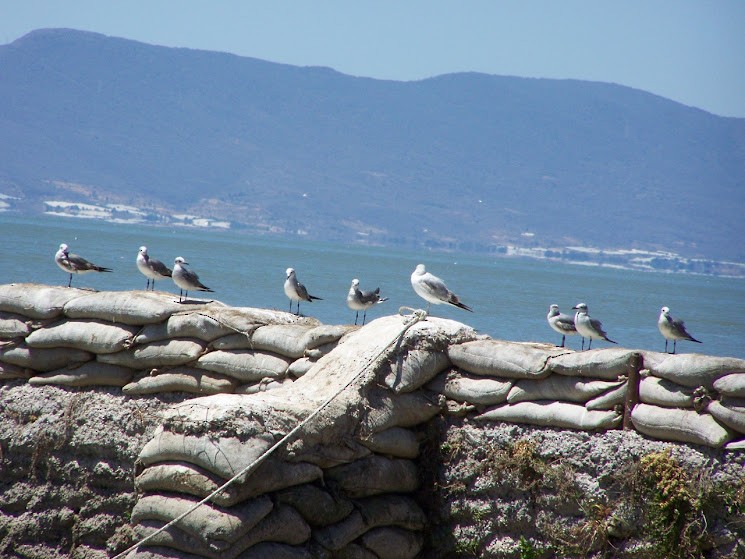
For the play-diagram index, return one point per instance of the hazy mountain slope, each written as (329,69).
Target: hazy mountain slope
(469,158)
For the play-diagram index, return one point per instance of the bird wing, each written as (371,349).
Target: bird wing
(301,291)
(436,287)
(159,267)
(598,326)
(565,323)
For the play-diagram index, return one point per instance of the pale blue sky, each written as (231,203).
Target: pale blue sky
(689,51)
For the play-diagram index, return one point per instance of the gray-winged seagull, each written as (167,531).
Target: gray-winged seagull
(433,290)
(359,300)
(561,323)
(672,329)
(151,268)
(296,291)
(588,327)
(74,264)
(186,279)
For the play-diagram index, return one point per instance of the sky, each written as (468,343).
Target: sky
(689,51)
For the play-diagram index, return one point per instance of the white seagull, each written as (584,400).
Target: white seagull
(359,300)
(433,290)
(185,279)
(561,323)
(296,291)
(672,329)
(74,264)
(151,268)
(588,327)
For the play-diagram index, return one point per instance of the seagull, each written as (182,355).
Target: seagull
(562,323)
(186,279)
(433,290)
(588,327)
(152,269)
(74,264)
(296,291)
(359,300)
(673,329)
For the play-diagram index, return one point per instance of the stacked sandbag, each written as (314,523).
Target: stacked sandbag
(692,398)
(536,384)
(341,486)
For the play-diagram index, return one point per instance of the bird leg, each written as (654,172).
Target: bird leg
(69,283)
(675,343)
(356,315)
(589,345)
(563,339)
(364,316)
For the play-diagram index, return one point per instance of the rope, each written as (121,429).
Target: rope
(417,316)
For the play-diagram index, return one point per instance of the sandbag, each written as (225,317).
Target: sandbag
(224,456)
(731,418)
(158,552)
(9,372)
(662,392)
(91,373)
(282,525)
(89,335)
(181,379)
(692,369)
(503,359)
(42,359)
(392,542)
(272,550)
(686,426)
(559,388)
(13,326)
(291,340)
(217,527)
(479,391)
(387,510)
(731,385)
(354,551)
(604,364)
(245,319)
(388,410)
(553,414)
(735,445)
(262,386)
(234,341)
(737,404)
(315,505)
(374,475)
(184,325)
(609,400)
(244,365)
(37,301)
(166,353)
(396,441)
(414,369)
(173,537)
(300,366)
(128,307)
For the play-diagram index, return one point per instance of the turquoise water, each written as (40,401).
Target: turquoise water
(510,297)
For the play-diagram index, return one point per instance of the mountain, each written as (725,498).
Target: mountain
(465,161)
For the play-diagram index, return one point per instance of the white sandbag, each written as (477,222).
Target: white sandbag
(225,456)
(291,340)
(245,365)
(9,372)
(13,326)
(91,373)
(392,542)
(42,359)
(37,301)
(692,369)
(374,475)
(731,418)
(609,400)
(414,369)
(553,414)
(95,336)
(662,392)
(388,410)
(128,307)
(503,359)
(181,379)
(218,527)
(731,385)
(686,426)
(604,364)
(245,319)
(194,324)
(735,445)
(479,391)
(300,366)
(272,550)
(166,353)
(388,510)
(559,388)
(396,441)
(315,505)
(234,341)
(263,385)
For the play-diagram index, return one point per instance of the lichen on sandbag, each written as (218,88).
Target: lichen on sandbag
(415,368)
(692,369)
(561,415)
(604,364)
(688,426)
(42,359)
(180,379)
(559,388)
(37,301)
(509,360)
(166,353)
(92,335)
(91,373)
(665,393)
(244,365)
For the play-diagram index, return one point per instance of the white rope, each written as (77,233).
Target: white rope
(415,317)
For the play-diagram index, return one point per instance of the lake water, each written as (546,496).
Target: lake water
(510,297)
